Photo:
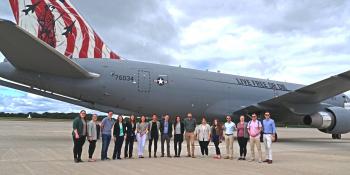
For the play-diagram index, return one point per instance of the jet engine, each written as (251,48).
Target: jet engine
(333,120)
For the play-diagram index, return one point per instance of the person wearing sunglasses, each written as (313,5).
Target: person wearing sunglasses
(269,136)
(229,128)
(254,128)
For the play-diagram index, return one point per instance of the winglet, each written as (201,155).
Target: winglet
(26,52)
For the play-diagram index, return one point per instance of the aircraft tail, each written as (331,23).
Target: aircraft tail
(59,24)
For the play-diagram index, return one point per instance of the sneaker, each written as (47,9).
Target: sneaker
(243,158)
(266,161)
(269,162)
(108,158)
(251,160)
(226,157)
(76,160)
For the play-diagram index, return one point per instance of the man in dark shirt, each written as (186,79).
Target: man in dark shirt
(166,130)
(153,135)
(190,126)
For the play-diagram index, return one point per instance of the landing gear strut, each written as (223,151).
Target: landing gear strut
(336,136)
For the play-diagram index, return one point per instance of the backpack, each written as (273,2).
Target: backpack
(259,123)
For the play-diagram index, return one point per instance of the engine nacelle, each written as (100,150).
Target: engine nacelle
(334,120)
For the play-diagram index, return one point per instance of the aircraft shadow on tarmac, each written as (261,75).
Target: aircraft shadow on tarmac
(318,141)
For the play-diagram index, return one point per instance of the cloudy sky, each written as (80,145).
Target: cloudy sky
(295,41)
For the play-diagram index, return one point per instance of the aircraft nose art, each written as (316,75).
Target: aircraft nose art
(60,25)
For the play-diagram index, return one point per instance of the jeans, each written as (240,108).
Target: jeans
(242,146)
(178,139)
(204,147)
(106,139)
(141,141)
(129,146)
(216,140)
(118,147)
(78,147)
(92,147)
(165,138)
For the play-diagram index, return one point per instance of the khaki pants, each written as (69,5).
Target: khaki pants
(229,145)
(255,141)
(189,136)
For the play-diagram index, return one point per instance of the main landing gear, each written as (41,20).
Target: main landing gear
(336,136)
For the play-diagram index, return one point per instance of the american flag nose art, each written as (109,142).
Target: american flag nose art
(58,23)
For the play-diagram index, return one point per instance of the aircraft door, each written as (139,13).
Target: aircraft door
(144,81)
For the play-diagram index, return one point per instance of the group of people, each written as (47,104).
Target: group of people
(165,129)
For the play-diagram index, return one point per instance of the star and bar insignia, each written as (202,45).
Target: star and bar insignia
(161,81)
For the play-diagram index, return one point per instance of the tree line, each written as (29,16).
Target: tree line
(46,115)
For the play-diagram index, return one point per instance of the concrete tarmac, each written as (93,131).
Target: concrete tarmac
(45,148)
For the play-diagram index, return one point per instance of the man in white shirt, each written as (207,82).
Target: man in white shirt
(229,128)
(254,130)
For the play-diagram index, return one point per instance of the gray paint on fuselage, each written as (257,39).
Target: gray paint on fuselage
(187,90)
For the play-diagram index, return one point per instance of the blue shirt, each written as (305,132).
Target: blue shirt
(229,128)
(107,126)
(269,126)
(166,124)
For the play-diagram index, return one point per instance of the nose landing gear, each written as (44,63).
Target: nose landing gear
(336,136)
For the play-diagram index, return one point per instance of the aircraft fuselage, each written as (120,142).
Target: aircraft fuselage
(145,88)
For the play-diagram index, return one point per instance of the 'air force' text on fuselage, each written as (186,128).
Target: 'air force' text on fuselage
(261,84)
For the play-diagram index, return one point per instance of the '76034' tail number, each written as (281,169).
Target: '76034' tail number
(122,77)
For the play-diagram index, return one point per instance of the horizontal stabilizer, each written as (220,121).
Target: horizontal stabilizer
(26,52)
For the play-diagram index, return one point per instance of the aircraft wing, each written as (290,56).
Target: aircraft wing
(26,52)
(310,95)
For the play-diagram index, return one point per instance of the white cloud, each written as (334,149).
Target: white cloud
(34,103)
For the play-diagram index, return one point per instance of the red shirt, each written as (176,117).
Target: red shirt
(240,129)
